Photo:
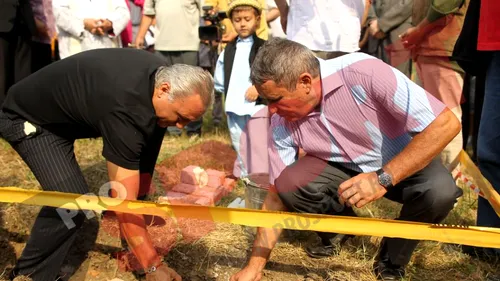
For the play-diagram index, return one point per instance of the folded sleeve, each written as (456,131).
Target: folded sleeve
(281,147)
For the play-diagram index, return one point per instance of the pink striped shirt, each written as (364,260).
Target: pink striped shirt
(368,114)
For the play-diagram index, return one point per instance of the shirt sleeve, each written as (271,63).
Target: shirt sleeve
(149,8)
(282,148)
(219,74)
(401,98)
(120,16)
(441,8)
(122,141)
(66,19)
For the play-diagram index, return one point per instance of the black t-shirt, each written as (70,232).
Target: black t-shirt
(99,93)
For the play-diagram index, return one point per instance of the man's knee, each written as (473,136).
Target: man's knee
(440,194)
(287,184)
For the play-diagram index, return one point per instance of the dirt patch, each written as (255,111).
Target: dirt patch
(208,155)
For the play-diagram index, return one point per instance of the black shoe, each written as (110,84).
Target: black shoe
(485,254)
(327,247)
(384,269)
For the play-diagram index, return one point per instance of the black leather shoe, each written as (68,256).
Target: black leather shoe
(327,248)
(485,254)
(386,271)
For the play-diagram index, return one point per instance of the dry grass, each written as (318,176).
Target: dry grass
(224,250)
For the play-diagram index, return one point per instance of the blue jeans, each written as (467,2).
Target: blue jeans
(488,151)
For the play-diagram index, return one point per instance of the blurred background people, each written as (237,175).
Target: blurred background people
(103,22)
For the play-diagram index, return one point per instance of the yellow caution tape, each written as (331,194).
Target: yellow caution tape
(466,235)
(488,192)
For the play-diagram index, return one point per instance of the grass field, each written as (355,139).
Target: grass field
(214,253)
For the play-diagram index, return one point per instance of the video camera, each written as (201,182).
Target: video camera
(214,31)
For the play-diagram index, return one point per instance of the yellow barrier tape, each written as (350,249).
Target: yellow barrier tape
(489,193)
(466,235)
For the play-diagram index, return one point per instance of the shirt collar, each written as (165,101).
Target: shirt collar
(330,81)
(248,39)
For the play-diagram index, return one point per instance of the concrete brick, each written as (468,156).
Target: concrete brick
(215,178)
(194,175)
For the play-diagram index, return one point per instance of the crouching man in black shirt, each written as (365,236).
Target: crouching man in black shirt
(127,97)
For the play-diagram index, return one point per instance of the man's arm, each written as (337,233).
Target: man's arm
(133,226)
(147,19)
(265,241)
(424,147)
(283,8)
(272,14)
(438,10)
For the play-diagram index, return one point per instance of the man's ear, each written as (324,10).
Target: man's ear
(305,81)
(164,89)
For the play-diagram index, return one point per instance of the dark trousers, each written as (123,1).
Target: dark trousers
(41,56)
(190,58)
(488,152)
(15,59)
(52,160)
(311,184)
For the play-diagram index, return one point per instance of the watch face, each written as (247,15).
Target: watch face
(385,180)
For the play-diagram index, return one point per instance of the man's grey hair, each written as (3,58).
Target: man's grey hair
(283,61)
(186,80)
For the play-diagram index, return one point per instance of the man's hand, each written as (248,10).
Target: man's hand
(139,42)
(374,27)
(412,37)
(91,25)
(163,273)
(251,94)
(105,27)
(361,190)
(379,35)
(248,273)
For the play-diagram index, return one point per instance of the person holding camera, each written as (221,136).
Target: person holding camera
(232,72)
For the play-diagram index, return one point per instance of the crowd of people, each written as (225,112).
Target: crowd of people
(340,102)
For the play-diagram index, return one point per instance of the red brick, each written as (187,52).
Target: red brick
(185,188)
(229,185)
(215,178)
(189,176)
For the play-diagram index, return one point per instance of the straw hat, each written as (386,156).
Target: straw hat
(237,3)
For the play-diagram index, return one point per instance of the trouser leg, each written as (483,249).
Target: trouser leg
(310,185)
(428,196)
(488,152)
(51,159)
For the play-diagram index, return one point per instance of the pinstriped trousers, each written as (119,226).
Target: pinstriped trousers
(52,160)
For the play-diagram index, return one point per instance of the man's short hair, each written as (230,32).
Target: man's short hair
(283,61)
(185,80)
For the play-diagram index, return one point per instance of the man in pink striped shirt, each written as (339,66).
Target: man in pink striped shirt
(368,131)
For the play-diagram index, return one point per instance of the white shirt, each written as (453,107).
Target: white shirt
(326,25)
(240,80)
(69,16)
(275,25)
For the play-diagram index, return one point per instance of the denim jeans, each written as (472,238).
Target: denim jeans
(489,142)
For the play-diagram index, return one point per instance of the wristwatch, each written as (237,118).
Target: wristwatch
(384,179)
